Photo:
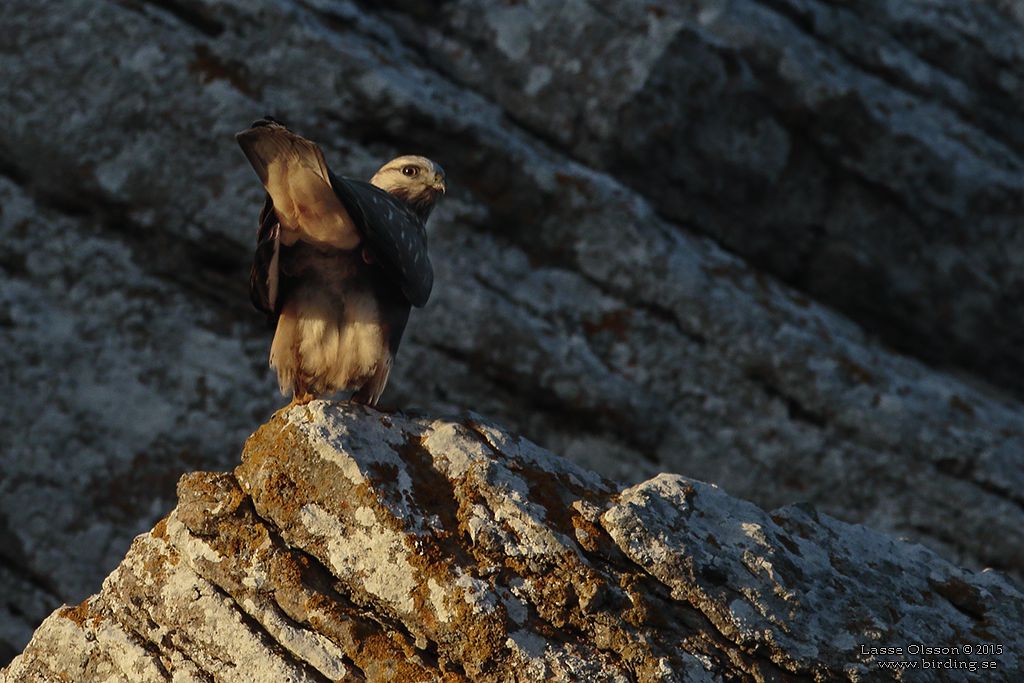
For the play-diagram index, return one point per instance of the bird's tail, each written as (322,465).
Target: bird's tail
(370,392)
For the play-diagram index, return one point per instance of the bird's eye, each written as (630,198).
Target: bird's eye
(410,170)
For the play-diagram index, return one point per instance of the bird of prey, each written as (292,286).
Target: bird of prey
(338,263)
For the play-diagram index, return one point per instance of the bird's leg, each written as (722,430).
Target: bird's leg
(301,398)
(300,392)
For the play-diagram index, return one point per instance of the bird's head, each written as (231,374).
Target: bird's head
(416,180)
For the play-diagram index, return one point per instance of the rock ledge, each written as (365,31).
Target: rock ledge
(355,545)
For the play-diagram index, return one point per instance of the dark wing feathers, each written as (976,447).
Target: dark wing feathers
(264,277)
(394,234)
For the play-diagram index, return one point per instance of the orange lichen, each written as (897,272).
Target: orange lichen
(78,614)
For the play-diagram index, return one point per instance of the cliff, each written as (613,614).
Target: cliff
(356,545)
(772,244)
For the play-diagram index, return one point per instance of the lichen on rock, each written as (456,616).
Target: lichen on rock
(351,544)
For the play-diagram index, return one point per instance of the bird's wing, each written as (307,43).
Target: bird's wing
(297,180)
(265,277)
(395,237)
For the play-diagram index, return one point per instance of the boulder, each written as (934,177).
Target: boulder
(352,544)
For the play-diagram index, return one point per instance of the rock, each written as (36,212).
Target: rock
(357,545)
(868,154)
(670,315)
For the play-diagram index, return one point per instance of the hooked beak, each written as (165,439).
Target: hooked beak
(438,185)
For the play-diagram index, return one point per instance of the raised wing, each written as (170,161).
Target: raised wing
(395,236)
(295,175)
(306,202)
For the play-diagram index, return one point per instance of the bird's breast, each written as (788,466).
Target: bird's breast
(332,268)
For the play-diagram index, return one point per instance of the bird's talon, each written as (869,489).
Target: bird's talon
(300,399)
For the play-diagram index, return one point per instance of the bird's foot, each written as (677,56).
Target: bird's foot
(301,399)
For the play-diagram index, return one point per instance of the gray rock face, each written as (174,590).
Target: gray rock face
(871,155)
(356,545)
(663,225)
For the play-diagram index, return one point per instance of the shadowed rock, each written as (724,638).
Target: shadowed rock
(356,545)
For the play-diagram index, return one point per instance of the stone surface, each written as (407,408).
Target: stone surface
(871,154)
(357,545)
(672,248)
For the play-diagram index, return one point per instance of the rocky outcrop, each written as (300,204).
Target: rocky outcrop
(354,545)
(675,236)
(357,545)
